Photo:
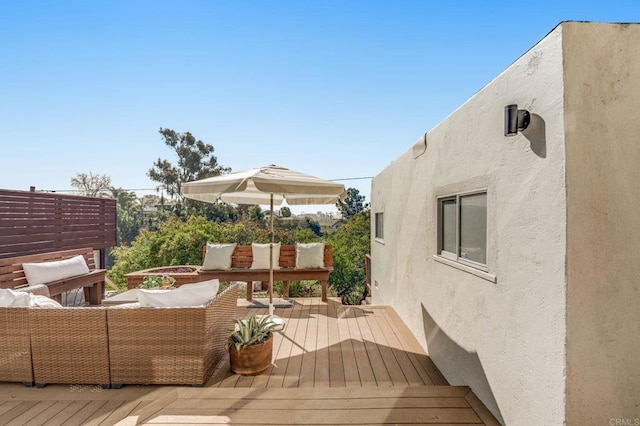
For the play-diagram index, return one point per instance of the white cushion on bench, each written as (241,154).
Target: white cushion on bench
(197,294)
(261,256)
(46,272)
(218,256)
(309,256)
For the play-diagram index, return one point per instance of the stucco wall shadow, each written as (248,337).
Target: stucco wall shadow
(536,133)
(446,353)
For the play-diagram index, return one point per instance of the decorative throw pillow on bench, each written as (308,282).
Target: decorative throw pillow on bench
(261,256)
(197,294)
(218,257)
(309,256)
(47,272)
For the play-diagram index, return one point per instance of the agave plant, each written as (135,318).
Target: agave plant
(251,331)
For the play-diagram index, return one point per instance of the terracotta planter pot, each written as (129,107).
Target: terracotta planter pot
(251,360)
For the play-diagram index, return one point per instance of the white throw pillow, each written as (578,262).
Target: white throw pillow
(197,294)
(46,272)
(309,256)
(218,256)
(261,256)
(39,301)
(10,297)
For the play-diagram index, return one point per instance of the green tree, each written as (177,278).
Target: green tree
(130,217)
(256,214)
(91,185)
(177,242)
(350,244)
(174,243)
(195,161)
(353,204)
(285,211)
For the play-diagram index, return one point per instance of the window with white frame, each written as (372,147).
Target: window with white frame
(379,225)
(462,229)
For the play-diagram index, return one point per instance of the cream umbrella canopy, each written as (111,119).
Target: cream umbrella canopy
(269,185)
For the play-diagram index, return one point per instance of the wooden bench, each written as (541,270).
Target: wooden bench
(12,275)
(242,258)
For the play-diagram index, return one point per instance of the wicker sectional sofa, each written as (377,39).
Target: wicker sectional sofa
(115,346)
(15,342)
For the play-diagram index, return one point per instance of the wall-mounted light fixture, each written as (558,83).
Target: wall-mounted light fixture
(515,119)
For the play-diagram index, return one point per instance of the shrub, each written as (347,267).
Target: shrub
(350,244)
(177,242)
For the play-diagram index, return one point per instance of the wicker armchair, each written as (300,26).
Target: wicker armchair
(15,342)
(169,345)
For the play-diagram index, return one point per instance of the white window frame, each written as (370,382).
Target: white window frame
(455,257)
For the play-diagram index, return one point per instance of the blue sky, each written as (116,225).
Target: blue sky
(335,89)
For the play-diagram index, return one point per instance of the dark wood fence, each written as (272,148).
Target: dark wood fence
(34,222)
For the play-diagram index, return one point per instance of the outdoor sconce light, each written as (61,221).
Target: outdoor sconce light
(515,119)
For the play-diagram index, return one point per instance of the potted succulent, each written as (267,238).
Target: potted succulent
(250,345)
(156,281)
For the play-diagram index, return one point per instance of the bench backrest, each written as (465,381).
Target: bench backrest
(12,275)
(242,256)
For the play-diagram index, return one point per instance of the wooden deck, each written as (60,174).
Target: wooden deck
(332,365)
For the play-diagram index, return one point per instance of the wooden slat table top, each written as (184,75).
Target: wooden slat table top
(333,364)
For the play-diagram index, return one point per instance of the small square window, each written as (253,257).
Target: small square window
(462,229)
(379,225)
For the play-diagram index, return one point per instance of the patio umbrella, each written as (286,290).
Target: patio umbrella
(269,185)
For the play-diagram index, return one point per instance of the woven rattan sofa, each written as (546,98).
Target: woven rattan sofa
(115,346)
(15,339)
(169,345)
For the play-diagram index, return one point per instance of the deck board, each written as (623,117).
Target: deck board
(308,368)
(411,375)
(336,366)
(322,349)
(82,415)
(16,411)
(350,365)
(365,371)
(333,364)
(378,366)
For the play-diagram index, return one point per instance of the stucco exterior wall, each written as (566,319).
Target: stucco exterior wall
(505,339)
(602,109)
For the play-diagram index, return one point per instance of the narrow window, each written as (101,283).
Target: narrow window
(449,233)
(462,229)
(380,226)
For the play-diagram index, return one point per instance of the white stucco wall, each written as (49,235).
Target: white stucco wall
(505,339)
(602,104)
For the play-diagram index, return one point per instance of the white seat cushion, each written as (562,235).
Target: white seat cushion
(46,272)
(309,256)
(261,256)
(218,257)
(197,294)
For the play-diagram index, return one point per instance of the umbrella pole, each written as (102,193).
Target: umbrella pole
(279,322)
(271,258)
